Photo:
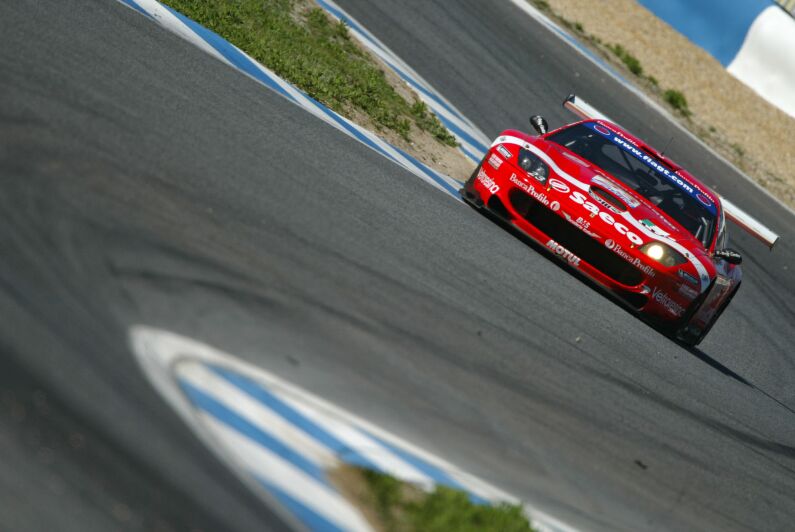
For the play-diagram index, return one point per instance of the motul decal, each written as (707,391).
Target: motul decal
(564,253)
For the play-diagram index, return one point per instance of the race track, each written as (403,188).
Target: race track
(146,183)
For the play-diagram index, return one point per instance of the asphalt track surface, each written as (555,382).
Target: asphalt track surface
(144,182)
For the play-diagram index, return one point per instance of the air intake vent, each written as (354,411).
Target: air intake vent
(591,251)
(606,199)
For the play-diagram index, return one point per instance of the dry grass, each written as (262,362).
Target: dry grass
(756,136)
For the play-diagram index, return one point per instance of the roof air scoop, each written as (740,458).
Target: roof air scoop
(606,191)
(606,199)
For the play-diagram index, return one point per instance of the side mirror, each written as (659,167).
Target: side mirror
(729,255)
(539,124)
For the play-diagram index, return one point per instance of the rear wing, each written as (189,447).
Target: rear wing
(579,107)
(748,223)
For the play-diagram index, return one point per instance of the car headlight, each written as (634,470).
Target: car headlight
(533,165)
(663,254)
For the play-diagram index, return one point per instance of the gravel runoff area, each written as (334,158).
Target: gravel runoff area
(755,135)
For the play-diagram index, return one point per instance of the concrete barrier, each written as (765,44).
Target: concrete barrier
(753,39)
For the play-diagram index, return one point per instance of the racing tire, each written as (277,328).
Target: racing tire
(467,191)
(691,338)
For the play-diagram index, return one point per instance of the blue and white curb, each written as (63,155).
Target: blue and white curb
(282,440)
(227,53)
(753,39)
(527,8)
(473,143)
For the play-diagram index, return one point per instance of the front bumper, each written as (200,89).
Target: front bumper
(549,217)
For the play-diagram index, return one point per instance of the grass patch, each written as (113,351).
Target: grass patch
(304,46)
(631,62)
(543,5)
(677,100)
(400,507)
(739,152)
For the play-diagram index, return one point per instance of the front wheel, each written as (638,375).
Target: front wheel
(467,192)
(691,335)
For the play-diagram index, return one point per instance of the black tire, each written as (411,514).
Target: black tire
(467,191)
(691,338)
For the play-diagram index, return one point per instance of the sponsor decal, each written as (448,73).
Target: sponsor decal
(564,253)
(582,224)
(688,291)
(687,277)
(530,189)
(704,199)
(504,151)
(611,130)
(602,129)
(667,303)
(560,186)
(488,182)
(555,206)
(654,228)
(615,190)
(629,147)
(581,199)
(616,248)
(494,161)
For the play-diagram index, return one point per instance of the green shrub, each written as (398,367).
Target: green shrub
(316,54)
(677,100)
(543,5)
(405,508)
(631,62)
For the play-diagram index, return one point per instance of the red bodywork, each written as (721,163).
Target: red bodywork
(573,216)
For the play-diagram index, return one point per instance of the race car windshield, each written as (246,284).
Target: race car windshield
(640,173)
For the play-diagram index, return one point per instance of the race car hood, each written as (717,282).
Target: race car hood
(611,193)
(588,189)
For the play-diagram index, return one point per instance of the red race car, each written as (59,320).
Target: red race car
(606,203)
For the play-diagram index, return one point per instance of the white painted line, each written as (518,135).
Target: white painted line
(167,19)
(172,23)
(438,103)
(525,6)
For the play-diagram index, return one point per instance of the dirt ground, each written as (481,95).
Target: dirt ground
(756,136)
(422,146)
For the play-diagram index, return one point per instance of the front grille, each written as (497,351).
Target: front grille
(575,240)
(636,300)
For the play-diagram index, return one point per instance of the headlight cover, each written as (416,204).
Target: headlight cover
(664,254)
(533,165)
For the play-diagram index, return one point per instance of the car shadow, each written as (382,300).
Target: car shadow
(701,355)
(695,351)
